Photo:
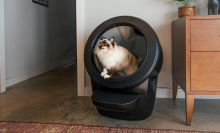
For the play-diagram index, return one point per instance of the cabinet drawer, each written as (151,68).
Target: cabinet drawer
(205,35)
(205,71)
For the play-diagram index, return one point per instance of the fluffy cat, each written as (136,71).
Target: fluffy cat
(115,58)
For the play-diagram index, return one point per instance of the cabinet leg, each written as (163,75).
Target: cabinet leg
(189,108)
(175,88)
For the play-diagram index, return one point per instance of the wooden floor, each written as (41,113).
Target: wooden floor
(51,98)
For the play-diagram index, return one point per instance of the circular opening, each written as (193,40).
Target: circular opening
(147,65)
(129,41)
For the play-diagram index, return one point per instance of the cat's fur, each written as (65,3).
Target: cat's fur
(115,58)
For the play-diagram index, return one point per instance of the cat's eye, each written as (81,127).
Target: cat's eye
(105,44)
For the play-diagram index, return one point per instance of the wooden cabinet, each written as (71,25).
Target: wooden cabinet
(205,35)
(196,58)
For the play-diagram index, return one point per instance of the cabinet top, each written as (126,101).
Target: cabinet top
(198,17)
(203,17)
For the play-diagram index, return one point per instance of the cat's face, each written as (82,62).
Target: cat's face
(106,45)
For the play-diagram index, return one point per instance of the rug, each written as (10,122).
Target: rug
(20,127)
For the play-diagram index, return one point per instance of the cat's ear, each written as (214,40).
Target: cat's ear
(101,37)
(112,40)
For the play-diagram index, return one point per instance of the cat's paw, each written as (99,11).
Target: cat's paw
(103,74)
(106,76)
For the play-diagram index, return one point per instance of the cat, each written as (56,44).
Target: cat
(115,58)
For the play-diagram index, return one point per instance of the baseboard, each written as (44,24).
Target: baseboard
(166,93)
(36,72)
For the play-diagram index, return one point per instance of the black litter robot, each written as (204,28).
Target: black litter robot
(132,97)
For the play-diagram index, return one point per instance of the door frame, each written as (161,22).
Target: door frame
(2,47)
(80,47)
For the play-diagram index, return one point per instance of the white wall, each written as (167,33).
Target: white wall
(38,37)
(158,13)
